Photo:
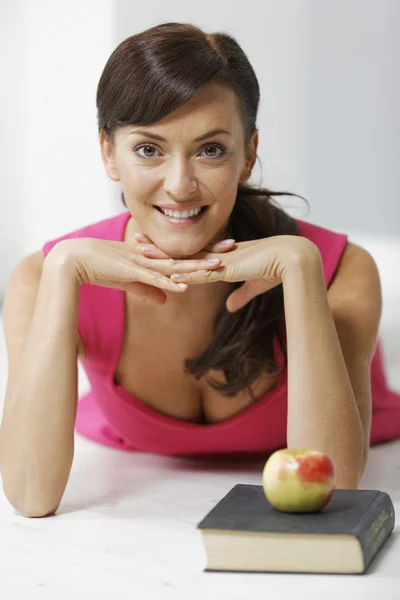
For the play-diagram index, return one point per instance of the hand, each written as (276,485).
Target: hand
(121,265)
(261,264)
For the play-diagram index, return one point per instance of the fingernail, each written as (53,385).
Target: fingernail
(213,261)
(227,242)
(181,286)
(177,276)
(140,236)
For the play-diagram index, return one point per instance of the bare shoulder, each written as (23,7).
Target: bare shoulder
(20,301)
(355,296)
(357,273)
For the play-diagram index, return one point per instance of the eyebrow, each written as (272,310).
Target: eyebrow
(161,139)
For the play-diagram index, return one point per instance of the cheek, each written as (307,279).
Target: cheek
(140,186)
(222,185)
(139,177)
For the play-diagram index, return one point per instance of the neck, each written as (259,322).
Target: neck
(198,298)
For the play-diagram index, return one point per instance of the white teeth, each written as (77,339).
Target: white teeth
(176,214)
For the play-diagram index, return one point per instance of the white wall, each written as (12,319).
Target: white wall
(11,207)
(353,117)
(329,122)
(53,180)
(329,119)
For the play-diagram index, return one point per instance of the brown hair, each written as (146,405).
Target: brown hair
(168,64)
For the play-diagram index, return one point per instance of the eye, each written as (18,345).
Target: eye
(218,147)
(150,148)
(146,147)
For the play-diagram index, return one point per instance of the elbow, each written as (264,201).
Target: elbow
(31,496)
(347,483)
(28,504)
(350,479)
(31,509)
(37,510)
(39,513)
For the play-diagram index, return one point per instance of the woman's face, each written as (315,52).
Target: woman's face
(187,170)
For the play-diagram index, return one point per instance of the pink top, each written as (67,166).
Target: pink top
(110,415)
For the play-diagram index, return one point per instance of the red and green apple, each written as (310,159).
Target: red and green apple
(298,480)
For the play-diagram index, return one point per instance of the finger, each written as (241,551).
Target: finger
(239,298)
(149,292)
(153,252)
(158,280)
(198,277)
(222,246)
(142,238)
(167,267)
(246,292)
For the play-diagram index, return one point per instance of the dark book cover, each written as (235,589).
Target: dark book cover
(367,514)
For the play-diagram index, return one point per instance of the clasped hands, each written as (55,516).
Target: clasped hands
(260,264)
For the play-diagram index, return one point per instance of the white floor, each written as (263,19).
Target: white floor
(127,524)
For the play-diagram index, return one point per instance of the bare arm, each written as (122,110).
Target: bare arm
(40,317)
(329,356)
(37,430)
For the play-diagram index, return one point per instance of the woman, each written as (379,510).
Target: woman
(186,309)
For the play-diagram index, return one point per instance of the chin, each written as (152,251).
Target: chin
(179,248)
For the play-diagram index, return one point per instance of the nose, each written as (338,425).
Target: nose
(180,182)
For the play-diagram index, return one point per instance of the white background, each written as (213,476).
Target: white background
(329,121)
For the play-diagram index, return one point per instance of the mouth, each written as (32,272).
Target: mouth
(182,218)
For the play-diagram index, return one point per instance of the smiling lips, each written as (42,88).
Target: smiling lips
(181,214)
(182,218)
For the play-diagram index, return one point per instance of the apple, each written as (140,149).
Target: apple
(298,480)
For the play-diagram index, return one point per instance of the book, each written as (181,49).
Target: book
(244,532)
